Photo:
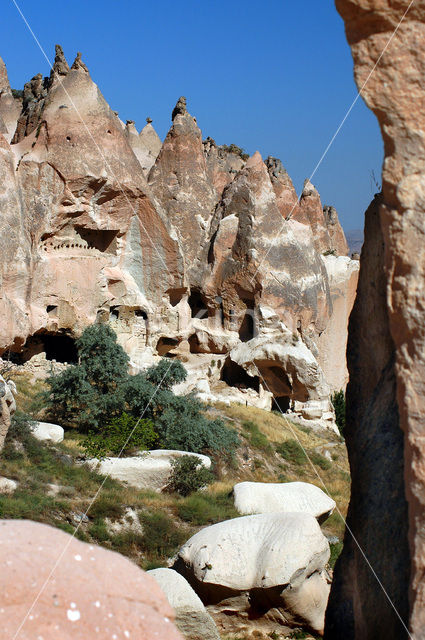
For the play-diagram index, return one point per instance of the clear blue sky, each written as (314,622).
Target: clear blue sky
(274,76)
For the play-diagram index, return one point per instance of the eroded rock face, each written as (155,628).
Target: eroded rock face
(397,374)
(208,252)
(93,592)
(10,107)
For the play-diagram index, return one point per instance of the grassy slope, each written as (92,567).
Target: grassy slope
(167,519)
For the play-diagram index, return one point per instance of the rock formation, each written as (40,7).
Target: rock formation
(7,407)
(387,356)
(283,497)
(192,618)
(188,249)
(268,566)
(91,593)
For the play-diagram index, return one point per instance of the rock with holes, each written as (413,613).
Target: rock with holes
(191,616)
(91,592)
(285,497)
(47,431)
(258,563)
(149,470)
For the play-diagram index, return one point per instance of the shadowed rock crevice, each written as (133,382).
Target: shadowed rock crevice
(377,516)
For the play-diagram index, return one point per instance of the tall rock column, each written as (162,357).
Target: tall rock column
(395,93)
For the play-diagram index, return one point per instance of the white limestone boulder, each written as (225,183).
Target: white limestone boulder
(148,470)
(192,619)
(277,559)
(7,485)
(47,431)
(284,497)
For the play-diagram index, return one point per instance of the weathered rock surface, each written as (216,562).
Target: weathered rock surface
(146,145)
(274,559)
(287,497)
(7,407)
(192,618)
(48,431)
(91,593)
(386,357)
(149,470)
(10,107)
(201,256)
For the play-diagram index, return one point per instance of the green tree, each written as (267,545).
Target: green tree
(124,434)
(338,401)
(91,393)
(189,475)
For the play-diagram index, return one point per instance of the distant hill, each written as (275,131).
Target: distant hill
(354,240)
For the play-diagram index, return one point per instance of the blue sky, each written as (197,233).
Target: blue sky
(275,76)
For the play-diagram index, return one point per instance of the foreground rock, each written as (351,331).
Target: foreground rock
(47,431)
(386,357)
(7,407)
(267,565)
(149,470)
(298,497)
(92,593)
(192,618)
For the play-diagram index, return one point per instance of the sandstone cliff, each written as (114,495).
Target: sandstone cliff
(392,392)
(187,249)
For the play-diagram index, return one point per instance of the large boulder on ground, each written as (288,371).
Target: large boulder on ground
(54,586)
(148,470)
(191,616)
(286,497)
(7,407)
(48,431)
(261,563)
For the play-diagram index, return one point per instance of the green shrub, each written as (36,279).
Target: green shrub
(338,401)
(207,508)
(161,537)
(292,451)
(257,439)
(122,435)
(183,426)
(320,461)
(189,475)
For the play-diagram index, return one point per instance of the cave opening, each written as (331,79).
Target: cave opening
(176,296)
(247,328)
(56,346)
(165,345)
(197,305)
(282,403)
(235,376)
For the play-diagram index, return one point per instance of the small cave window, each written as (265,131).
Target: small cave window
(194,345)
(235,376)
(60,348)
(247,328)
(164,345)
(139,313)
(176,296)
(197,305)
(52,309)
(104,240)
(114,313)
(282,403)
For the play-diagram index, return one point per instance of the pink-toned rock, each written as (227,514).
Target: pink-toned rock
(389,336)
(10,107)
(222,165)
(91,593)
(179,180)
(146,145)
